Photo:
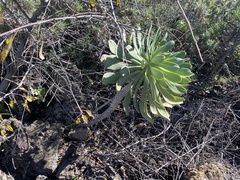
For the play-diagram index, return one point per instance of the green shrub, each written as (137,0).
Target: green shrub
(213,21)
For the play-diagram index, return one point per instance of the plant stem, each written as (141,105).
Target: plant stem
(114,104)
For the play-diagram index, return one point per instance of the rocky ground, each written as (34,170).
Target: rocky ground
(201,142)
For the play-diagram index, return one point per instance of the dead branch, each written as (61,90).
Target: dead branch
(75,16)
(12,67)
(190,28)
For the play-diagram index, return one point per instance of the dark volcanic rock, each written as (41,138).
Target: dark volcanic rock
(32,150)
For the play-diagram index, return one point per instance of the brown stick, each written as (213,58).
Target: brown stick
(189,25)
(76,16)
(114,104)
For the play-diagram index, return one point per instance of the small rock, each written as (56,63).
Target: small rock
(42,177)
(4,176)
(34,148)
(80,133)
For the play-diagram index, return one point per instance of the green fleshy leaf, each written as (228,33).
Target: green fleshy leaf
(136,103)
(132,60)
(126,102)
(155,41)
(112,62)
(168,97)
(186,65)
(175,60)
(162,111)
(143,102)
(162,82)
(167,105)
(120,52)
(144,112)
(179,54)
(110,77)
(164,38)
(129,69)
(174,89)
(153,88)
(121,81)
(154,110)
(148,43)
(134,53)
(134,74)
(184,72)
(112,46)
(158,59)
(140,38)
(156,73)
(182,89)
(137,81)
(169,66)
(168,46)
(135,45)
(162,43)
(158,109)
(185,80)
(170,76)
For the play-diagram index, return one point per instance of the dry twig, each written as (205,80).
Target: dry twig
(190,28)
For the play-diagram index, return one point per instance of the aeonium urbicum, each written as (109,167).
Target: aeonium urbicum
(159,77)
